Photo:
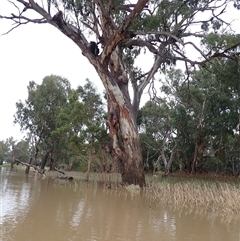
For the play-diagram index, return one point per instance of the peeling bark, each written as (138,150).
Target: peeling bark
(126,143)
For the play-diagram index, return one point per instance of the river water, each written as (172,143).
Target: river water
(33,209)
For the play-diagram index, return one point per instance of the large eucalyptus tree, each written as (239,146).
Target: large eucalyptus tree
(125,30)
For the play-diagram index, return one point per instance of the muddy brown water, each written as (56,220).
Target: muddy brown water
(51,210)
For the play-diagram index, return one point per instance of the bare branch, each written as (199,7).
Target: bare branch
(198,49)
(160,33)
(18,22)
(15,6)
(141,43)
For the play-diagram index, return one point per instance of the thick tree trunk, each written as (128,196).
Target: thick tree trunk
(133,171)
(126,147)
(122,115)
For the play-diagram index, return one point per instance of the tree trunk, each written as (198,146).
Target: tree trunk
(199,143)
(44,160)
(199,148)
(89,166)
(52,163)
(168,163)
(36,168)
(133,171)
(28,167)
(122,116)
(126,145)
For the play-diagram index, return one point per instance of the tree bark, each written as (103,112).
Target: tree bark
(52,163)
(133,171)
(44,159)
(199,143)
(168,164)
(89,166)
(126,142)
(28,167)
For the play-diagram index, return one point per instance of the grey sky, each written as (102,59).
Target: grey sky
(30,53)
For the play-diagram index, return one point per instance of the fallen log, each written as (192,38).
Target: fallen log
(42,172)
(36,168)
(58,170)
(65,178)
(63,175)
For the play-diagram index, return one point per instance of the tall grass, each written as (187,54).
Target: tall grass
(223,198)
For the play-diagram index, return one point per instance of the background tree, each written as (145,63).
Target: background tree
(38,114)
(206,115)
(157,134)
(82,126)
(11,149)
(161,28)
(4,151)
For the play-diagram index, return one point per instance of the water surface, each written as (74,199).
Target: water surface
(33,209)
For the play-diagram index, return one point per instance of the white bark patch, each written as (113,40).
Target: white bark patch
(115,142)
(117,94)
(126,128)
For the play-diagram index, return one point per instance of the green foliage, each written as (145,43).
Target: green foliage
(11,149)
(200,104)
(208,109)
(69,122)
(81,124)
(39,112)
(157,131)
(4,150)
(219,42)
(201,111)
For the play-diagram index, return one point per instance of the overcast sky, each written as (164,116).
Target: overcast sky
(32,52)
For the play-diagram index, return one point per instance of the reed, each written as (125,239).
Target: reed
(220,197)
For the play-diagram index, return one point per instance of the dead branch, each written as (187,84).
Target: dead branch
(58,170)
(37,169)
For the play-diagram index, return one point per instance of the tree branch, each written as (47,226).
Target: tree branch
(37,169)
(121,32)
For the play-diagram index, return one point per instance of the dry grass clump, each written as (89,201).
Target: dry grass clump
(212,196)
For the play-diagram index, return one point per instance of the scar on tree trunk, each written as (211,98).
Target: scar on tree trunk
(126,153)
